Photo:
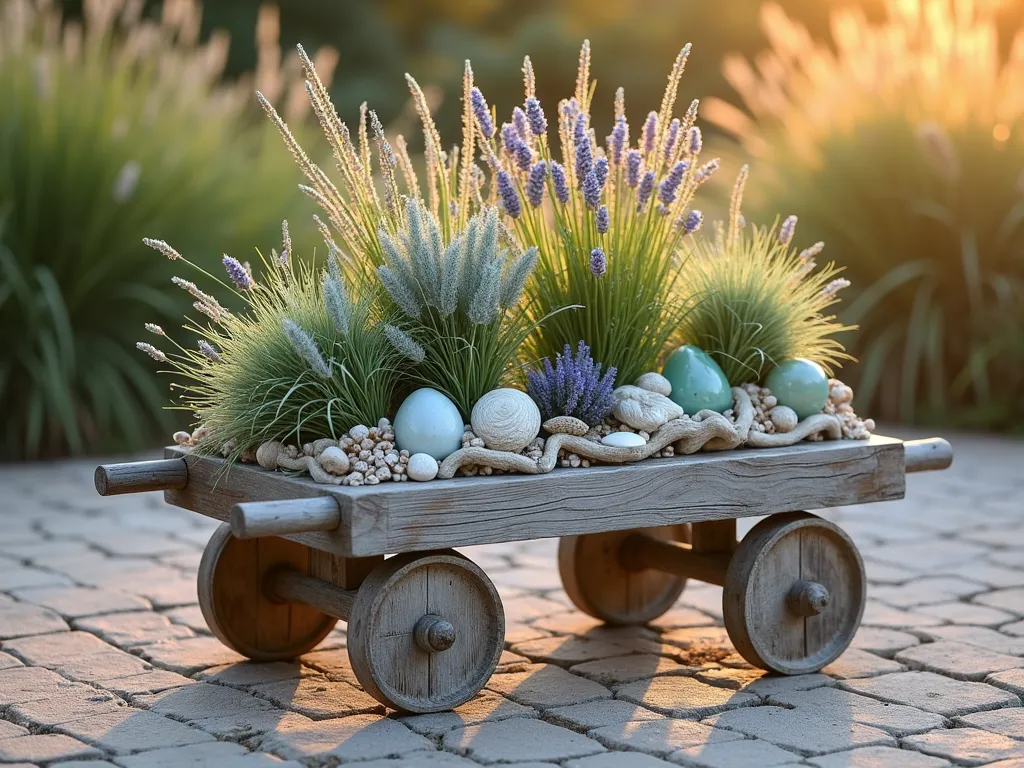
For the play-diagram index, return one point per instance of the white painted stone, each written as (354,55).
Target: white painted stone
(623,440)
(422,467)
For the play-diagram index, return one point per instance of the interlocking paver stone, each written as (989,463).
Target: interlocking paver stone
(660,737)
(7,661)
(148,682)
(933,693)
(23,619)
(484,707)
(807,731)
(982,637)
(1011,600)
(544,686)
(245,725)
(201,701)
(1011,680)
(1008,721)
(597,714)
(69,706)
(132,730)
(44,748)
(626,669)
(189,655)
(966,746)
(128,630)
(21,684)
(10,730)
(319,698)
(75,602)
(437,760)
(518,739)
(211,753)
(857,663)
(568,650)
(967,613)
(749,753)
(360,737)
(683,696)
(884,642)
(958,660)
(878,757)
(54,649)
(897,719)
(619,760)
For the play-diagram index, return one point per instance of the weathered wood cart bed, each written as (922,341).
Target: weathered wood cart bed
(426,626)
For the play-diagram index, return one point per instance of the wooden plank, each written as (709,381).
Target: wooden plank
(402,517)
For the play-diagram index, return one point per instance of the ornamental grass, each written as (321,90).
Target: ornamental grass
(901,144)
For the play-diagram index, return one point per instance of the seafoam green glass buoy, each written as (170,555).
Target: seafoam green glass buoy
(428,422)
(697,381)
(801,384)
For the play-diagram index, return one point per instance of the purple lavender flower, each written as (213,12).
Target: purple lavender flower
(643,192)
(696,141)
(650,131)
(573,386)
(633,160)
(670,184)
(601,169)
(620,139)
(509,137)
(671,137)
(521,124)
(592,190)
(209,352)
(693,221)
(482,113)
(535,116)
(535,183)
(706,171)
(558,177)
(509,196)
(523,156)
(584,153)
(579,131)
(787,230)
(601,220)
(598,263)
(242,279)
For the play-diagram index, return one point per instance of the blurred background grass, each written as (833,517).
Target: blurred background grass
(78,190)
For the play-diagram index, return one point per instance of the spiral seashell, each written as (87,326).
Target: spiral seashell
(506,419)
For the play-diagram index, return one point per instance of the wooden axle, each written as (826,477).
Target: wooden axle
(141,476)
(926,455)
(641,551)
(432,633)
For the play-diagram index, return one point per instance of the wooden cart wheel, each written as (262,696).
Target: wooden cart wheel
(794,593)
(231,596)
(426,631)
(600,585)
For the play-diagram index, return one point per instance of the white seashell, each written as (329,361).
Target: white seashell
(566,425)
(359,432)
(334,460)
(422,467)
(182,438)
(266,454)
(643,409)
(623,440)
(506,419)
(655,382)
(784,418)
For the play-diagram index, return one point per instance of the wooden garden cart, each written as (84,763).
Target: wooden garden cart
(426,626)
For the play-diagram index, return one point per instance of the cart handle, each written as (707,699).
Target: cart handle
(253,519)
(928,454)
(141,476)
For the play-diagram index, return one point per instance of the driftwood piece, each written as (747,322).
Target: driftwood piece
(812,425)
(706,430)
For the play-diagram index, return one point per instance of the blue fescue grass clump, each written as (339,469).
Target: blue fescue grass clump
(573,386)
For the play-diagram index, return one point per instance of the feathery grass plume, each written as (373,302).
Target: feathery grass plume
(603,245)
(462,327)
(758,303)
(304,358)
(116,124)
(898,142)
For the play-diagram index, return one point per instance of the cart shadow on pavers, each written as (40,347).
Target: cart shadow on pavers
(426,626)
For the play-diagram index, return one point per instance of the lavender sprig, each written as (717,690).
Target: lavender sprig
(671,138)
(584,152)
(787,230)
(643,192)
(619,139)
(650,132)
(598,263)
(696,141)
(209,352)
(509,196)
(692,222)
(670,184)
(601,220)
(633,161)
(573,386)
(535,183)
(521,123)
(592,190)
(535,116)
(561,186)
(482,113)
(238,274)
